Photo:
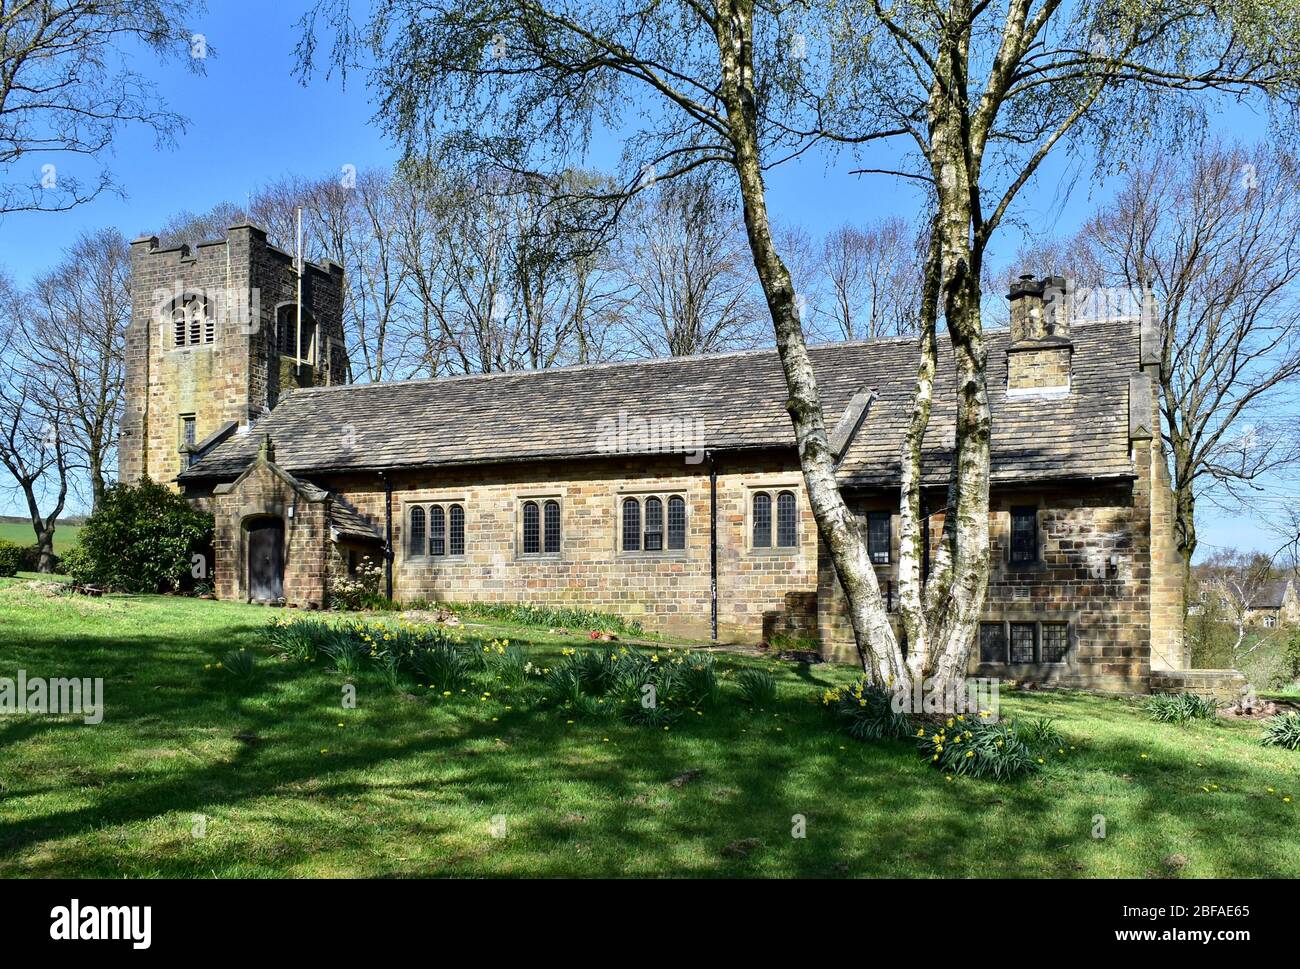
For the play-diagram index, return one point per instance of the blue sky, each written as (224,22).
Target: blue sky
(252,122)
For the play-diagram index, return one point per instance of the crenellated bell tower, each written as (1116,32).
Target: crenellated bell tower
(216,339)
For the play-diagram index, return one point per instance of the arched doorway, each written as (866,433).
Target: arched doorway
(265,546)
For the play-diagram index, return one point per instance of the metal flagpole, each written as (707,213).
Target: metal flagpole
(297,363)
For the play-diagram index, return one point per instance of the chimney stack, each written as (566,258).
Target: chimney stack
(1038,359)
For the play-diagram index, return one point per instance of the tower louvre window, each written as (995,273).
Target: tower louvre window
(192,323)
(286,337)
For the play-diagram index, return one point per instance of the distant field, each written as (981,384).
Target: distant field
(65,536)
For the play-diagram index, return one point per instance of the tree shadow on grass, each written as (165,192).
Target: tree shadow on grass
(574,805)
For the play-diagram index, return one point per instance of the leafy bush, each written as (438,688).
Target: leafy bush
(867,713)
(73,562)
(757,687)
(1282,731)
(1180,707)
(658,716)
(1291,657)
(141,538)
(976,747)
(606,682)
(11,558)
(358,592)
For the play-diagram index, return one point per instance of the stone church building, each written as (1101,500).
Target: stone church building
(667,491)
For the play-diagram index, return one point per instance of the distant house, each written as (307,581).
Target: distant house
(1277,603)
(665,490)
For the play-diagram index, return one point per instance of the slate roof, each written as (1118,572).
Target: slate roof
(344,519)
(1271,595)
(350,523)
(738,398)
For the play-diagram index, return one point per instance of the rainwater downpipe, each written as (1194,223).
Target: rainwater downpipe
(713,544)
(388,536)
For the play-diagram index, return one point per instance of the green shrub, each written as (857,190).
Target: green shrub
(11,558)
(757,687)
(1282,731)
(1291,657)
(867,713)
(976,747)
(360,592)
(1180,707)
(74,562)
(610,682)
(142,538)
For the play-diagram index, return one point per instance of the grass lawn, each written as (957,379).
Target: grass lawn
(292,784)
(20,533)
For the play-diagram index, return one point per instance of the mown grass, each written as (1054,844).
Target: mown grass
(289,783)
(20,533)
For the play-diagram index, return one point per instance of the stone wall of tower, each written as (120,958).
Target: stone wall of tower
(237,375)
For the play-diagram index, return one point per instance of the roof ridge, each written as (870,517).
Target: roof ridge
(649,361)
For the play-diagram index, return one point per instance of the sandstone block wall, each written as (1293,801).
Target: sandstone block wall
(1093,573)
(234,378)
(307,547)
(668,591)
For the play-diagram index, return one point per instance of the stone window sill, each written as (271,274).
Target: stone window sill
(675,555)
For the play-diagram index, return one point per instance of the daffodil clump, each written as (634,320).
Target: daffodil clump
(1180,707)
(867,712)
(547,617)
(975,746)
(1282,731)
(648,689)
